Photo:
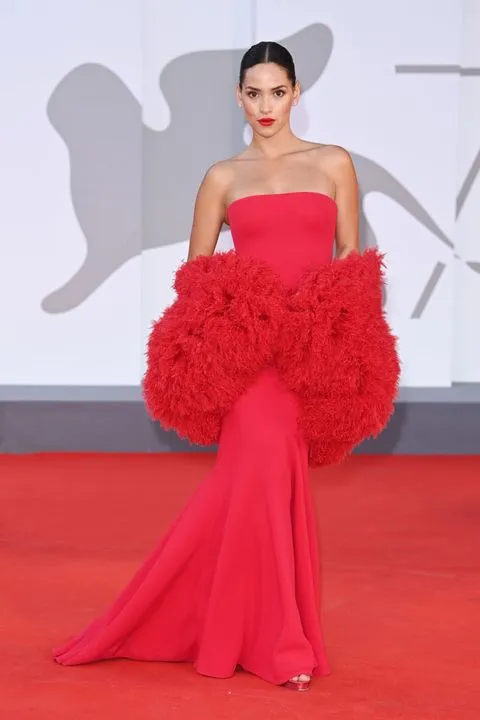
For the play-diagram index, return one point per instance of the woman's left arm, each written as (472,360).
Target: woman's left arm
(347,198)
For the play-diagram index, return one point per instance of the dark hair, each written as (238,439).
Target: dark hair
(265,52)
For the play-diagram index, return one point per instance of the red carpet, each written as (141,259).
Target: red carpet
(401,556)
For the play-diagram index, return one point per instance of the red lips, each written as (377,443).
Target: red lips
(266,122)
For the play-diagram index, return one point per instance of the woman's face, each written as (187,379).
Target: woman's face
(267,97)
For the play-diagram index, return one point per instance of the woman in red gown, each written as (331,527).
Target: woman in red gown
(268,350)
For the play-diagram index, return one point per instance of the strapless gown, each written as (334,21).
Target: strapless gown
(235,580)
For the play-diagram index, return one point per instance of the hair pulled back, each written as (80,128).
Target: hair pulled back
(268,52)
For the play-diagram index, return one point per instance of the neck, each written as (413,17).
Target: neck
(273,147)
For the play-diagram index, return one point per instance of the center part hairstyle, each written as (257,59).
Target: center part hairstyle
(268,52)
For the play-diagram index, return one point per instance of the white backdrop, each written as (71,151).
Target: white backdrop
(113,110)
(466,339)
(42,241)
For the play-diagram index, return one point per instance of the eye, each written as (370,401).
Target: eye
(251,94)
(279,93)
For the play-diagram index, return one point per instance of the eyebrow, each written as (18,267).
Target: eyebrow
(279,87)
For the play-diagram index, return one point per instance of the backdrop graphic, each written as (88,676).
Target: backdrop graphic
(115,111)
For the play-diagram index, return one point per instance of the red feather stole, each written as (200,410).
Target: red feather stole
(233,317)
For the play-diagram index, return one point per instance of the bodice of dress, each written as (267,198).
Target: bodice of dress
(291,232)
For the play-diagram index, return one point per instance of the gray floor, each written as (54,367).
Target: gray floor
(113,419)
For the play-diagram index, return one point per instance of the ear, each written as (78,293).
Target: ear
(296,93)
(239,96)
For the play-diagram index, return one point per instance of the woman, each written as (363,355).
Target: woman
(270,350)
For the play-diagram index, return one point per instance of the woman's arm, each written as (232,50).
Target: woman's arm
(209,212)
(346,195)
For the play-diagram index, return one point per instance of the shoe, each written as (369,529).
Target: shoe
(298,685)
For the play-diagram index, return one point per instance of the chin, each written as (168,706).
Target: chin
(267,131)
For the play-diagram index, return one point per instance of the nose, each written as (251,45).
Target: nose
(265,105)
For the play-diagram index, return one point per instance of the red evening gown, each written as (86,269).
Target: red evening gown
(235,580)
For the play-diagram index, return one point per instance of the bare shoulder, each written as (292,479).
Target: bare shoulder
(335,159)
(218,177)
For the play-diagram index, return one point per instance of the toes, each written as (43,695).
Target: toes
(300,678)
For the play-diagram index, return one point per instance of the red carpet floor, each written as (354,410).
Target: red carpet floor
(401,555)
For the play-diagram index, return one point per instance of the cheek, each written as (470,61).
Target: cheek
(249,107)
(284,106)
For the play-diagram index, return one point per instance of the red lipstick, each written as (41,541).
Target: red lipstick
(266,122)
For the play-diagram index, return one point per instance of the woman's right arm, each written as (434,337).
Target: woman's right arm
(209,212)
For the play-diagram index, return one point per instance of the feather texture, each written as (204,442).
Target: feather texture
(328,338)
(339,355)
(211,343)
